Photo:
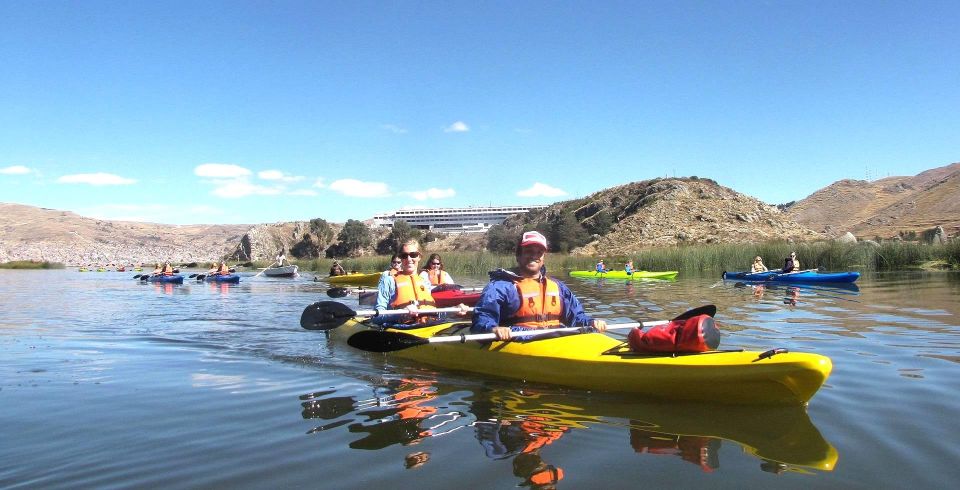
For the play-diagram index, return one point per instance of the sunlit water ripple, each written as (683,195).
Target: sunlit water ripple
(109,382)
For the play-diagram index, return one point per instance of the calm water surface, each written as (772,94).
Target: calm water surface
(108,382)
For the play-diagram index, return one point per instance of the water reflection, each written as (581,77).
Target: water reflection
(517,425)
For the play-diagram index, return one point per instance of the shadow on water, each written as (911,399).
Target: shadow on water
(512,424)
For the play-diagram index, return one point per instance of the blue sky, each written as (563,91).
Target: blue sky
(248,112)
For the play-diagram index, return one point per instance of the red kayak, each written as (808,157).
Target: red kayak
(444,297)
(453,297)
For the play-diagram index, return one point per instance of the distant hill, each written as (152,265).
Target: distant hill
(884,208)
(627,218)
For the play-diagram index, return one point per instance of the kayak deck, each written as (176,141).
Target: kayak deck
(356,279)
(595,361)
(802,276)
(618,274)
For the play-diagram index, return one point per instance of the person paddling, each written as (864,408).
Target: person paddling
(336,269)
(791,264)
(406,289)
(600,267)
(434,274)
(758,265)
(628,267)
(525,297)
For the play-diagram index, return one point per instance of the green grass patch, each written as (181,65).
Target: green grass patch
(695,259)
(30,264)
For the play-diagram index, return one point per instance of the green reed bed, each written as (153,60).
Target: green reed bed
(709,259)
(29,264)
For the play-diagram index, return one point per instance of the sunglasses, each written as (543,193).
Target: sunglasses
(434,263)
(395,262)
(411,255)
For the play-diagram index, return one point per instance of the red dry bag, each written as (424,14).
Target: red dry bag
(696,334)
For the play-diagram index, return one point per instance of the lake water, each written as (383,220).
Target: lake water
(109,382)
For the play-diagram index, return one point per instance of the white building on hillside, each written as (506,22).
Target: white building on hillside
(452,220)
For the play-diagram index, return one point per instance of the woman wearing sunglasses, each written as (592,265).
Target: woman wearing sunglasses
(406,289)
(434,274)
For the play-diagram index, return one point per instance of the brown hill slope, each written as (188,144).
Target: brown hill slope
(32,233)
(885,207)
(671,212)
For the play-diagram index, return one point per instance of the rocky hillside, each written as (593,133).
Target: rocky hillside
(628,218)
(31,233)
(887,207)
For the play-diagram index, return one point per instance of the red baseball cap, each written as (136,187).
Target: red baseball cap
(533,238)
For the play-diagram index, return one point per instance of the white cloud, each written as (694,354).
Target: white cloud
(319,183)
(15,170)
(541,190)
(356,188)
(457,127)
(221,171)
(98,178)
(278,175)
(431,193)
(232,189)
(302,192)
(393,129)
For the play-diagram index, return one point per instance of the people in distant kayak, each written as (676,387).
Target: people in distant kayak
(434,274)
(791,264)
(167,269)
(336,269)
(628,267)
(758,265)
(158,269)
(600,267)
(524,297)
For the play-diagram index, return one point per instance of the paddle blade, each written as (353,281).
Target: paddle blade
(201,277)
(337,292)
(136,276)
(380,341)
(191,276)
(709,310)
(325,315)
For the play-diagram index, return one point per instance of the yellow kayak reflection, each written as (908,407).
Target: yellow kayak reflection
(517,424)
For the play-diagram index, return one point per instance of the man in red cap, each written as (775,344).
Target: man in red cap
(524,298)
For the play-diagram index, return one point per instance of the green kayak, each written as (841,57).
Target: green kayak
(618,274)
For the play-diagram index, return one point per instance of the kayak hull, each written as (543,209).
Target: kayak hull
(224,278)
(285,271)
(449,298)
(579,361)
(804,276)
(623,275)
(443,299)
(174,279)
(357,279)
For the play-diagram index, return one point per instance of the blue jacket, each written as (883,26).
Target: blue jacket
(500,300)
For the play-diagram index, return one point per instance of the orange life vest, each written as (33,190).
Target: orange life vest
(411,290)
(436,277)
(540,304)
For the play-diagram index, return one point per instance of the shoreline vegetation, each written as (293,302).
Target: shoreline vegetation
(828,256)
(711,258)
(29,264)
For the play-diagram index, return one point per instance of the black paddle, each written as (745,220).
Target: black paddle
(326,315)
(384,341)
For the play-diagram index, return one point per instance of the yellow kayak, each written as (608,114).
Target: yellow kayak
(594,361)
(356,279)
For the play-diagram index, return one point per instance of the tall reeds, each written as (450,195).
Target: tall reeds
(708,259)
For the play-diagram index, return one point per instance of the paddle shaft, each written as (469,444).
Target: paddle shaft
(452,309)
(537,333)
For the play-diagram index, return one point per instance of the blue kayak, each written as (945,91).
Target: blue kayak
(174,279)
(802,276)
(232,278)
